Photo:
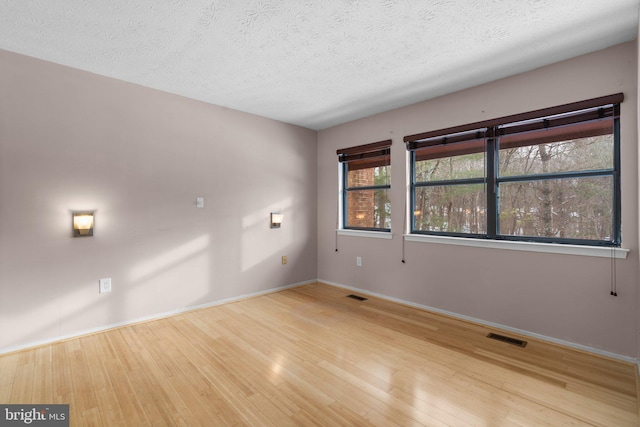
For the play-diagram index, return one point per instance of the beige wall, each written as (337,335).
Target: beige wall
(73,140)
(70,140)
(565,297)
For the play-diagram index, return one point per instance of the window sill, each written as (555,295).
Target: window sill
(551,248)
(366,233)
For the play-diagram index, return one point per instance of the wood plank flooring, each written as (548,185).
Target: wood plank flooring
(309,356)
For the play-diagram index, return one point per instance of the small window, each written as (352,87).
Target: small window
(366,186)
(550,176)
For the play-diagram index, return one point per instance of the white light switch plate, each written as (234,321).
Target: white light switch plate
(199,202)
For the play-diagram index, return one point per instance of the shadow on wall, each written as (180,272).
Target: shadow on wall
(82,308)
(232,259)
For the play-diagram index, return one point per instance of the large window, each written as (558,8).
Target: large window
(366,184)
(548,176)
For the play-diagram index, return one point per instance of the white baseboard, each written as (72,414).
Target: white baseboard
(492,324)
(363,291)
(151,317)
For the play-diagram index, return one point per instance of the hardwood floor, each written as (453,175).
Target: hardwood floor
(309,356)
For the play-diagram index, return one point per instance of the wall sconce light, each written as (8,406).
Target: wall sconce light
(82,224)
(276,219)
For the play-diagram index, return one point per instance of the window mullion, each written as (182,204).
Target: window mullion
(345,194)
(449,182)
(491,184)
(557,175)
(412,189)
(617,195)
(369,187)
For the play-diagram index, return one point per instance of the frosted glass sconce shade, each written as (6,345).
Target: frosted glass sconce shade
(82,224)
(276,219)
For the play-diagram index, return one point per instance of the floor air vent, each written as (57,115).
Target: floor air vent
(357,297)
(509,340)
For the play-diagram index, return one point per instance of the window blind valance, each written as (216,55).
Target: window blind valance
(565,127)
(593,106)
(589,121)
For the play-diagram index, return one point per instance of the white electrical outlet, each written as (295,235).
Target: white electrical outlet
(199,202)
(359,261)
(105,285)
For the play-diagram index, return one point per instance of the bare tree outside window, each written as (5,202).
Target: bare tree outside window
(551,179)
(572,207)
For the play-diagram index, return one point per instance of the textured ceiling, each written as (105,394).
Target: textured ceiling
(315,63)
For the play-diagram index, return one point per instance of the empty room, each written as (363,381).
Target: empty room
(317,213)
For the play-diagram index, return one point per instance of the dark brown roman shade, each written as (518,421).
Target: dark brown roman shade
(366,156)
(582,124)
(583,119)
(452,145)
